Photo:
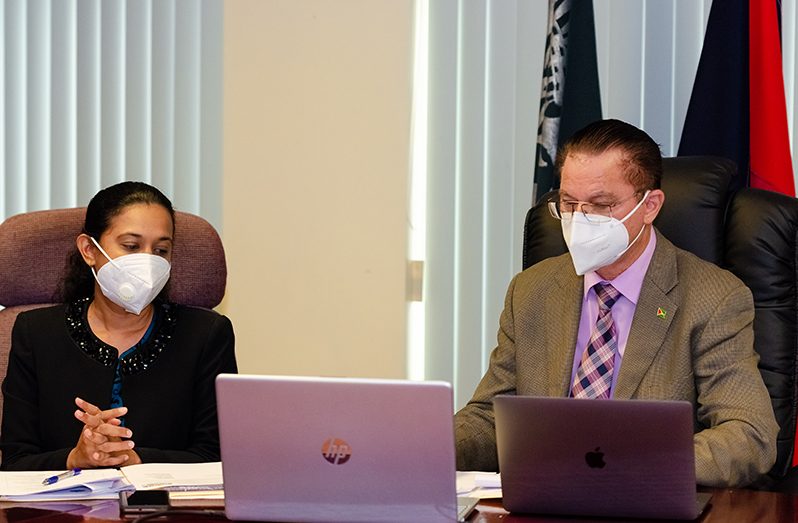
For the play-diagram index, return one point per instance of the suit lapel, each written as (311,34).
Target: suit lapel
(562,319)
(654,313)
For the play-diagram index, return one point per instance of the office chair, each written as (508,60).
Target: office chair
(752,233)
(33,253)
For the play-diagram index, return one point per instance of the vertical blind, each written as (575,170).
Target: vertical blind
(95,92)
(485,61)
(485,65)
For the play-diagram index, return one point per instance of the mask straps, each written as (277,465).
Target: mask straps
(106,254)
(643,228)
(630,212)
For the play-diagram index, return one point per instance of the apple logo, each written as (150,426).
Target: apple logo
(595,459)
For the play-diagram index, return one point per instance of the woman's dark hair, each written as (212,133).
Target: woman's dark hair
(78,281)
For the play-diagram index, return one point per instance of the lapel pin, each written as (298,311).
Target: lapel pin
(661,313)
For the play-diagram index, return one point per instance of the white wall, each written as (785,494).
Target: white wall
(317,104)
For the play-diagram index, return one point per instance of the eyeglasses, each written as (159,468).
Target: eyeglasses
(593,212)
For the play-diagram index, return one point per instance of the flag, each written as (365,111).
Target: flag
(771,162)
(569,95)
(737,108)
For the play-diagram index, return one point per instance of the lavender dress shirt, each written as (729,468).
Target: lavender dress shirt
(628,283)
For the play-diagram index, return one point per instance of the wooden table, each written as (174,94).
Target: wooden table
(727,505)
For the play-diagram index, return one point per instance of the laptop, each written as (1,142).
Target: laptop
(333,449)
(606,458)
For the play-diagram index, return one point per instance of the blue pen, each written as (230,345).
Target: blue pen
(63,475)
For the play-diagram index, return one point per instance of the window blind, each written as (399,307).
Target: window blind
(95,92)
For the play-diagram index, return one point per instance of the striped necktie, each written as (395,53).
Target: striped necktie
(594,375)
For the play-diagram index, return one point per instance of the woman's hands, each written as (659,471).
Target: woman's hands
(100,443)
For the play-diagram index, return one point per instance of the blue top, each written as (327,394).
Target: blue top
(116,388)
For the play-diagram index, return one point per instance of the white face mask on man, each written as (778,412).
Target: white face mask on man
(598,242)
(132,281)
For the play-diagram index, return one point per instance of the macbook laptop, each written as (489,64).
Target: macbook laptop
(608,458)
(328,449)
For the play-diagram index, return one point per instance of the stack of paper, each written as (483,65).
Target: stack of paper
(88,484)
(189,484)
(175,476)
(482,485)
(197,499)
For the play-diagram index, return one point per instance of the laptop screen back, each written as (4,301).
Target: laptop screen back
(325,449)
(614,458)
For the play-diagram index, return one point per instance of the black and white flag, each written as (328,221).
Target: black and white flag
(569,95)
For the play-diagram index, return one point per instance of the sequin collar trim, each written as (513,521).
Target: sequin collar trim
(141,359)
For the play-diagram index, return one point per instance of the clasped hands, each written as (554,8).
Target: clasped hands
(103,441)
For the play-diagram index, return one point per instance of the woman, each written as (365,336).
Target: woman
(139,369)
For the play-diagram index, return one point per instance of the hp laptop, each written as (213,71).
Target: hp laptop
(608,458)
(327,449)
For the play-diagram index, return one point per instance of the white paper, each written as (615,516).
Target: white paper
(483,485)
(89,484)
(175,476)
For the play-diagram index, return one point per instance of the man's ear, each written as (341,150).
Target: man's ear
(86,249)
(652,205)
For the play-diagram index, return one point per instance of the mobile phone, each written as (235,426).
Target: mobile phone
(143,501)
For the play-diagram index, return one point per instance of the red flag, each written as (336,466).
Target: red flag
(771,162)
(737,110)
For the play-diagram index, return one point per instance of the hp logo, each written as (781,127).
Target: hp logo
(336,451)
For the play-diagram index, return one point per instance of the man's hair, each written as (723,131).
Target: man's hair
(642,158)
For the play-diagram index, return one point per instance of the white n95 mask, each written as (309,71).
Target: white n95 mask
(132,281)
(596,243)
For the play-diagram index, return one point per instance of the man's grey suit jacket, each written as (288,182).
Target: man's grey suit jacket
(701,351)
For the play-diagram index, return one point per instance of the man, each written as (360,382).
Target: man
(628,315)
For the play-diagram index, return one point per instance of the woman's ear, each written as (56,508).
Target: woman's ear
(86,249)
